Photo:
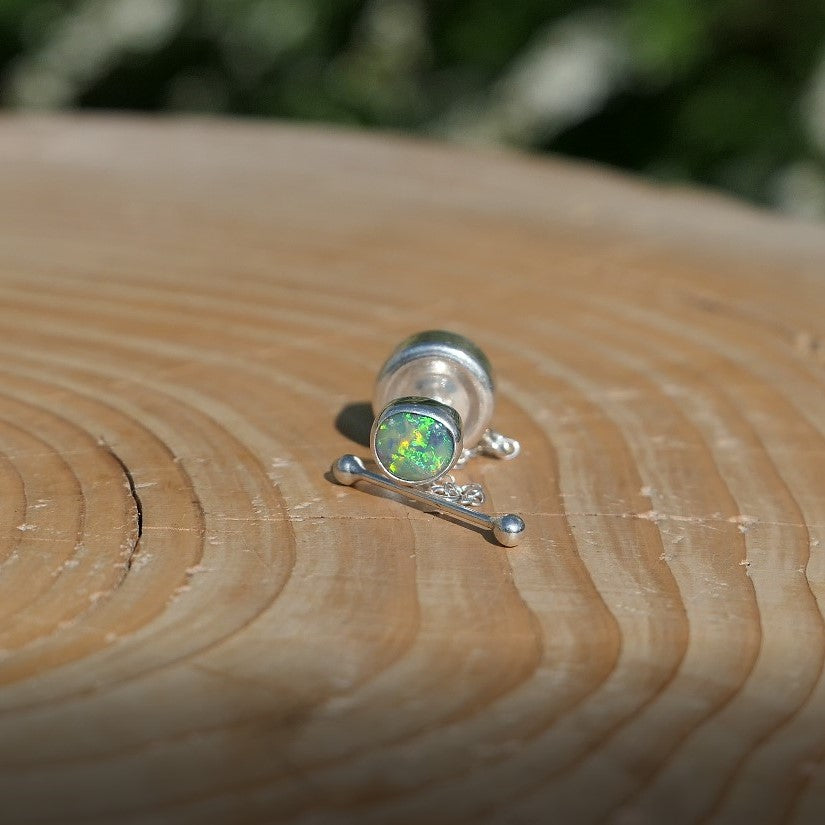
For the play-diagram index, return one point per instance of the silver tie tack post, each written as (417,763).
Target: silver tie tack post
(434,398)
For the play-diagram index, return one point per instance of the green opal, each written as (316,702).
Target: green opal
(414,447)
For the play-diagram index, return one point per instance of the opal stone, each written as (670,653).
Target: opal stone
(414,447)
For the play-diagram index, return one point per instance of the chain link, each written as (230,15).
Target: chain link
(492,444)
(472,494)
(468,495)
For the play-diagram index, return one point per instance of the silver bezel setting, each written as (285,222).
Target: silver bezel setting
(432,409)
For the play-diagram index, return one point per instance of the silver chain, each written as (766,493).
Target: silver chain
(472,494)
(468,495)
(493,444)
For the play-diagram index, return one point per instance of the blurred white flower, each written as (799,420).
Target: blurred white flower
(84,43)
(568,72)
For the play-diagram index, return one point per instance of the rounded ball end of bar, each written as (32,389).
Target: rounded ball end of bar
(508,529)
(347,469)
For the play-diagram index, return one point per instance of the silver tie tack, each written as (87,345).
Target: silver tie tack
(433,402)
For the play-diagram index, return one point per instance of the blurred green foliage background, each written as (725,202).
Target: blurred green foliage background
(727,93)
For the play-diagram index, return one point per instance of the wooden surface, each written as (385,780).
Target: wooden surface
(199,627)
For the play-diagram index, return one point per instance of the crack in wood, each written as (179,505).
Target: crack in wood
(130,482)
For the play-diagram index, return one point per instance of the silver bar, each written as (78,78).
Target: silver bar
(507,529)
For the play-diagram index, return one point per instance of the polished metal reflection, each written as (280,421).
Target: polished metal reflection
(507,529)
(447,368)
